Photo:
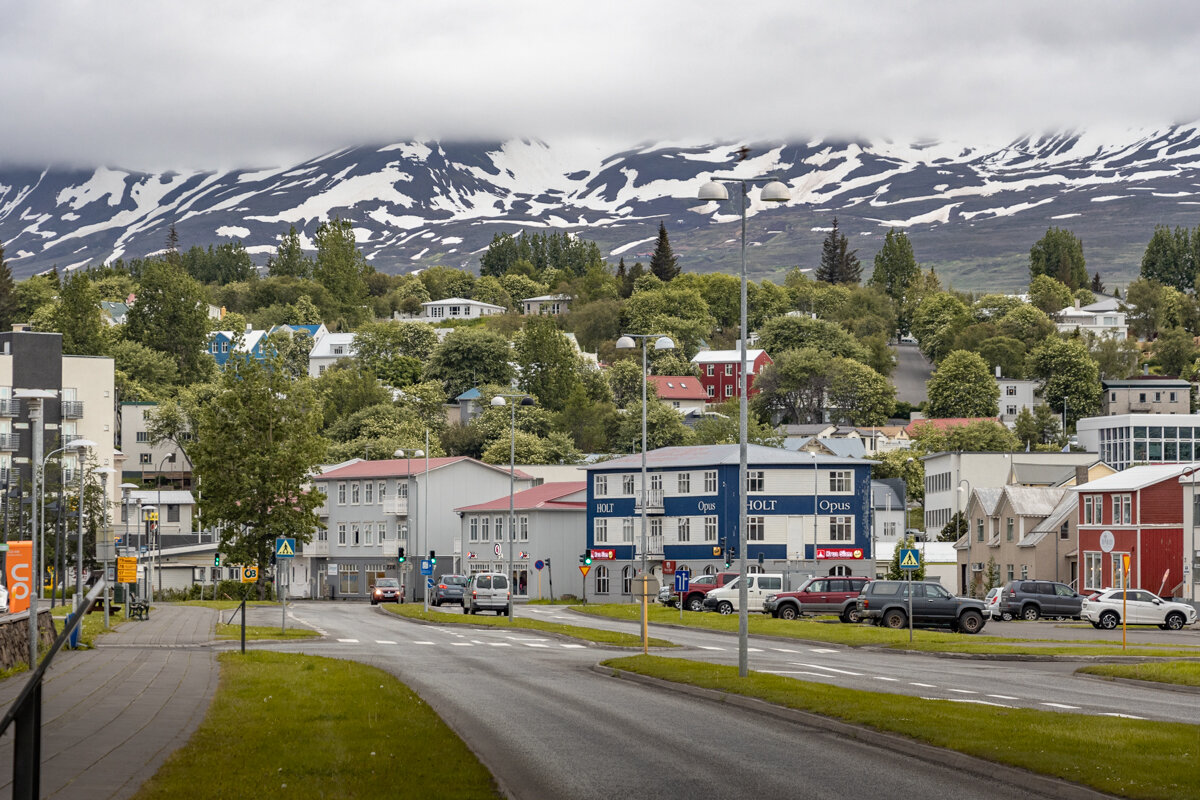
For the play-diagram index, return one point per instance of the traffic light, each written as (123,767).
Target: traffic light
(585,558)
(729,556)
(432,557)
(401,556)
(547,562)
(761,558)
(216,559)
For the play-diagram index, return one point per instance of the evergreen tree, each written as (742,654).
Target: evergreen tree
(954,529)
(77,316)
(663,263)
(839,264)
(1097,284)
(897,275)
(8,296)
(1059,254)
(1170,258)
(340,266)
(170,315)
(289,258)
(894,572)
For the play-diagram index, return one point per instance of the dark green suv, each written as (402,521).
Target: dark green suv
(887,603)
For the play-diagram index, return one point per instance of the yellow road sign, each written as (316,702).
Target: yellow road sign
(584,569)
(249,574)
(126,570)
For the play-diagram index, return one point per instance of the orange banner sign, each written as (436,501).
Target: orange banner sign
(20,575)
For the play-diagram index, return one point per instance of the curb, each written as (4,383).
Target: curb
(1013,776)
(1153,685)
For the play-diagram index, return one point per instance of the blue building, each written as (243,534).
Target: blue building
(808,513)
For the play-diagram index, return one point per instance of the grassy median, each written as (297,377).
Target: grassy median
(1130,758)
(263,632)
(614,638)
(308,727)
(862,635)
(1181,673)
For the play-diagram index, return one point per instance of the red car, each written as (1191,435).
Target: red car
(386,589)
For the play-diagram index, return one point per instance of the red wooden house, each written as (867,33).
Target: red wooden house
(719,371)
(1140,513)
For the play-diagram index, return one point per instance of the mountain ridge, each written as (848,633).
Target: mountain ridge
(972,212)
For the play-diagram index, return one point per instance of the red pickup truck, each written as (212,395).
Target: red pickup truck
(693,598)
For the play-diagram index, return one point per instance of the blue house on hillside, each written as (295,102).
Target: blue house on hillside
(222,344)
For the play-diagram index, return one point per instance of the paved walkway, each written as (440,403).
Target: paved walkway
(112,715)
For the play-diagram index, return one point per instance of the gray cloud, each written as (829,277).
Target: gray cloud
(207,84)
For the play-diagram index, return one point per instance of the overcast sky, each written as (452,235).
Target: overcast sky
(207,84)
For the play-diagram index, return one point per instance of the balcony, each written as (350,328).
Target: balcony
(10,441)
(396,505)
(72,409)
(323,509)
(315,548)
(654,546)
(654,502)
(10,408)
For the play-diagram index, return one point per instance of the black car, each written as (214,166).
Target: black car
(1032,599)
(449,589)
(887,603)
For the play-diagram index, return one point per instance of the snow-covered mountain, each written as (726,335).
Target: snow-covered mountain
(973,212)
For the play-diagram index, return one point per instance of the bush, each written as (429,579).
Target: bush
(226,590)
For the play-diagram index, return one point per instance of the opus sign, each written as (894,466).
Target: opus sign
(786,504)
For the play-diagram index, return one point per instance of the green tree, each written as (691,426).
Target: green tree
(1038,427)
(983,436)
(8,294)
(839,264)
(34,293)
(340,266)
(1174,351)
(902,464)
(625,380)
(795,333)
(394,351)
(587,421)
(225,263)
(1170,258)
(664,427)
(897,274)
(939,318)
(858,394)
(1059,254)
(595,324)
(549,368)
(170,315)
(724,427)
(347,387)
(1049,294)
(142,374)
(255,451)
(77,317)
(489,290)
(894,572)
(794,388)
(289,258)
(1026,324)
(663,263)
(963,386)
(442,282)
(469,357)
(953,530)
(1116,358)
(1069,377)
(527,448)
(679,312)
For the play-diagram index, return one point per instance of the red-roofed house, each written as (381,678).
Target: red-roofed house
(944,423)
(719,371)
(375,507)
(551,524)
(684,393)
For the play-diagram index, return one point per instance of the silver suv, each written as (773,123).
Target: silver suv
(487,590)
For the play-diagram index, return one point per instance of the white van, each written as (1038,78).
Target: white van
(725,599)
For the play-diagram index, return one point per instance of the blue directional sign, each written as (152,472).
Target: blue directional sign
(682,580)
(426,566)
(429,583)
(285,547)
(910,559)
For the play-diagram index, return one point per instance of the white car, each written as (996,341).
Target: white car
(1143,608)
(992,605)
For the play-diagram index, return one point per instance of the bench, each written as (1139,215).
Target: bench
(139,609)
(98,605)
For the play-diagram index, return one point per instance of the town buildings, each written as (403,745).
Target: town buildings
(1103,318)
(1146,394)
(554,304)
(458,308)
(1126,439)
(683,393)
(719,371)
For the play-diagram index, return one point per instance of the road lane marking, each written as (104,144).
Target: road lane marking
(753,650)
(962,691)
(794,672)
(784,650)
(884,678)
(383,641)
(706,647)
(1002,697)
(965,700)
(574,646)
(830,669)
(535,644)
(922,685)
(348,641)
(460,644)
(1060,705)
(500,644)
(821,650)
(422,642)
(1122,716)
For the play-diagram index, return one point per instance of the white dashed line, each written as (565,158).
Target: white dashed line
(422,642)
(830,669)
(383,641)
(535,644)
(348,641)
(965,700)
(794,672)
(821,650)
(753,650)
(706,647)
(1060,705)
(574,646)
(1002,697)
(922,685)
(1122,716)
(885,678)
(784,650)
(500,644)
(962,691)
(461,644)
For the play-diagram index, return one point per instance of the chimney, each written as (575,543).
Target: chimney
(998,375)
(1081,475)
(1146,369)
(249,327)
(1076,304)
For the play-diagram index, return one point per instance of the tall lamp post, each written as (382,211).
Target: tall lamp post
(35,398)
(168,458)
(80,446)
(408,453)
(512,401)
(126,502)
(774,191)
(661,342)
(959,494)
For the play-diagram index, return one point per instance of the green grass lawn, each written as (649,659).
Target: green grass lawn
(263,632)
(308,727)
(617,639)
(937,640)
(227,605)
(1130,758)
(1184,673)
(92,624)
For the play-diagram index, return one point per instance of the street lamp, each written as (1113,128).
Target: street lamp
(126,488)
(513,400)
(968,579)
(774,191)
(169,457)
(35,398)
(407,453)
(79,445)
(661,342)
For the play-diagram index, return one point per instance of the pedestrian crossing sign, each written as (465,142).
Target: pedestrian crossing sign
(910,559)
(285,547)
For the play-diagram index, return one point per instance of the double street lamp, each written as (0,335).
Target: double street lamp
(774,191)
(408,454)
(512,401)
(661,342)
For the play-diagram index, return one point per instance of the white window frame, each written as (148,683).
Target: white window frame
(627,530)
(841,528)
(756,480)
(841,480)
(602,585)
(473,525)
(1093,570)
(355,493)
(756,529)
(341,534)
(683,482)
(600,530)
(710,529)
(628,485)
(683,530)
(341,494)
(600,485)
(524,528)
(710,481)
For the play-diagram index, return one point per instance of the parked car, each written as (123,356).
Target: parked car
(667,596)
(1142,608)
(725,599)
(837,596)
(887,602)
(992,604)
(487,590)
(449,589)
(386,589)
(693,598)
(1029,600)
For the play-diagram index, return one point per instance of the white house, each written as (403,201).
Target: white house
(546,304)
(684,393)
(1015,394)
(331,348)
(1104,318)
(458,308)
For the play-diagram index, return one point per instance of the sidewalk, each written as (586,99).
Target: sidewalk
(112,715)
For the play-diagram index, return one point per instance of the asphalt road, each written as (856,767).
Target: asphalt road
(911,373)
(546,725)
